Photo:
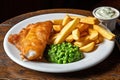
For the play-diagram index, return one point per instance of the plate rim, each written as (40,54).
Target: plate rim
(4,42)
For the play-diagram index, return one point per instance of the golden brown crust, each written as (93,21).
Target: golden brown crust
(32,40)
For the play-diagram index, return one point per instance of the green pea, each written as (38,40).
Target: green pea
(64,53)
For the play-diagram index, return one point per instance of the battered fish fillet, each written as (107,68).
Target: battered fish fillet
(32,40)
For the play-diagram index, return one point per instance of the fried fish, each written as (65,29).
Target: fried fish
(32,40)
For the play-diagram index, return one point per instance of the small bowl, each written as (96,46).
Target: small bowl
(109,22)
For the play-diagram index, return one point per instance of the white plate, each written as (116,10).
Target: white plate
(91,59)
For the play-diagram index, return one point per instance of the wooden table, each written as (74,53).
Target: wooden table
(109,69)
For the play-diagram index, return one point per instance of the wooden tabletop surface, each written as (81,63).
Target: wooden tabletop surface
(109,69)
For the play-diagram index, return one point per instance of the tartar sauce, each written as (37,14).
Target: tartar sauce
(106,13)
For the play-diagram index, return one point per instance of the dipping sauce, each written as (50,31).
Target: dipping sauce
(106,13)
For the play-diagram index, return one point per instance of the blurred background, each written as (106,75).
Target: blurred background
(12,8)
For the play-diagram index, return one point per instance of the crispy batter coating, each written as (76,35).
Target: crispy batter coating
(32,40)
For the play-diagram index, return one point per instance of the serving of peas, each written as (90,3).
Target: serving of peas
(64,53)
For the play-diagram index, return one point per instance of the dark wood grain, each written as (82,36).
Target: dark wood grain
(109,69)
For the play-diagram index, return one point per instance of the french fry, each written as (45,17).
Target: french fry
(99,39)
(89,20)
(69,38)
(105,33)
(73,17)
(79,44)
(93,34)
(82,27)
(57,28)
(87,48)
(66,20)
(84,38)
(83,32)
(82,41)
(76,34)
(57,21)
(66,30)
